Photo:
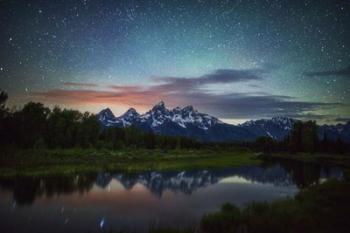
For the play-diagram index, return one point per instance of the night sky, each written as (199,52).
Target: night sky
(232,59)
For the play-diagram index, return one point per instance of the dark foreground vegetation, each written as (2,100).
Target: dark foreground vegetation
(303,137)
(49,162)
(36,126)
(321,208)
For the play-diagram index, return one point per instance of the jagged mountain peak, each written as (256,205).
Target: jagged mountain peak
(131,112)
(107,111)
(188,108)
(276,127)
(177,109)
(161,118)
(282,119)
(189,122)
(106,114)
(160,105)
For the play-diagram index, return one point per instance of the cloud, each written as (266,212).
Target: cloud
(236,105)
(342,119)
(229,75)
(311,116)
(126,88)
(74,84)
(232,105)
(180,91)
(345,72)
(220,76)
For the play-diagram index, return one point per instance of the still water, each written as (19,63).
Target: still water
(116,201)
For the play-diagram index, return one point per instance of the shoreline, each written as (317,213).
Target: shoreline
(71,161)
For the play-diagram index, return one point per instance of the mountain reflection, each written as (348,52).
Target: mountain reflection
(26,190)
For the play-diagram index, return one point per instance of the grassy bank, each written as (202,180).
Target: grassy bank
(69,161)
(322,208)
(329,159)
(342,161)
(319,209)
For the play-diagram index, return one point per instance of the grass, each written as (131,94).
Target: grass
(71,161)
(329,159)
(342,161)
(322,208)
(171,230)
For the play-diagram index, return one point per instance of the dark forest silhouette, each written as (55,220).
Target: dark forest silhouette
(36,126)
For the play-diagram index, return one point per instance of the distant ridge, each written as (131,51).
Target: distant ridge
(188,122)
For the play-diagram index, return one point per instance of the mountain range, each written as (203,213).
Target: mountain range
(188,122)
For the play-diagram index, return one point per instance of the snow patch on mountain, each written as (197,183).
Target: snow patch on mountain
(188,122)
(159,115)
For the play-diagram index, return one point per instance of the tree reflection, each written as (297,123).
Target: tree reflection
(284,173)
(27,189)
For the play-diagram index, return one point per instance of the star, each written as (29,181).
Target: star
(137,43)
(102,223)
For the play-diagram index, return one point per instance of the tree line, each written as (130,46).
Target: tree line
(36,126)
(303,137)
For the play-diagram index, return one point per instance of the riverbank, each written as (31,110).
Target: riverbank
(70,161)
(342,161)
(320,208)
(330,159)
(45,162)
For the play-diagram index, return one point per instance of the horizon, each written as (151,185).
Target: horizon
(229,59)
(121,111)
(195,109)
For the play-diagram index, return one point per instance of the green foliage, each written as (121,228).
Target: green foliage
(49,162)
(322,208)
(3,98)
(3,113)
(30,124)
(226,220)
(63,127)
(169,230)
(266,144)
(303,137)
(36,126)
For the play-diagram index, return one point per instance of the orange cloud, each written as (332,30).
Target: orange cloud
(177,91)
(125,96)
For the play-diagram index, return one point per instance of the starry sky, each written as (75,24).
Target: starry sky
(233,59)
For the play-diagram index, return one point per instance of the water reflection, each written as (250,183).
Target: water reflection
(26,190)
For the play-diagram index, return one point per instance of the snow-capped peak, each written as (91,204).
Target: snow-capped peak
(276,127)
(281,119)
(160,115)
(160,105)
(187,121)
(188,108)
(131,113)
(106,114)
